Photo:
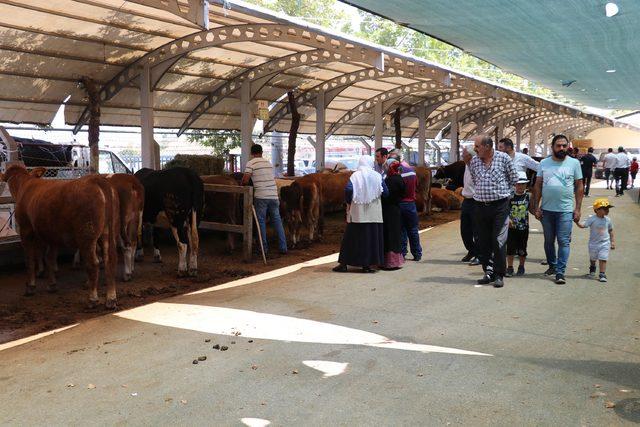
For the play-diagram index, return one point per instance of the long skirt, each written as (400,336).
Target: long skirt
(362,245)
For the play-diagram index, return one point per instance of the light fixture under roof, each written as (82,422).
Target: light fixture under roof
(611,9)
(611,70)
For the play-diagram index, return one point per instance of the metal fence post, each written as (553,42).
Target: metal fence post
(247,222)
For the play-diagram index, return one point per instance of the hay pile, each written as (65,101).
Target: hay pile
(201,164)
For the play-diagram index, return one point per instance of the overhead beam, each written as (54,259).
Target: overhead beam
(194,11)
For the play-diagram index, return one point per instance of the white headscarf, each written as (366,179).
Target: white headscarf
(367,183)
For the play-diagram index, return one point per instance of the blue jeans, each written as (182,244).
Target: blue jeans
(409,230)
(273,207)
(557,226)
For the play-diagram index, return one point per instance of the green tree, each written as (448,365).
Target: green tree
(220,141)
(319,12)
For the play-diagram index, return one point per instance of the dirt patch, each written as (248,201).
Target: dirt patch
(22,316)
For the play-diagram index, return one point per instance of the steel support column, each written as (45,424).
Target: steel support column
(500,130)
(379,125)
(454,151)
(518,136)
(422,133)
(245,123)
(320,131)
(533,132)
(147,149)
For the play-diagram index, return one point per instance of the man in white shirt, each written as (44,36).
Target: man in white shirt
(521,161)
(265,194)
(621,172)
(468,230)
(609,165)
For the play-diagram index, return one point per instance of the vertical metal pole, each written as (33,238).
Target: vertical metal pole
(245,124)
(422,133)
(454,151)
(545,137)
(320,131)
(147,150)
(379,126)
(533,134)
(518,137)
(500,130)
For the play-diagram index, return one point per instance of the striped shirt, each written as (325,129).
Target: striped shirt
(264,184)
(494,182)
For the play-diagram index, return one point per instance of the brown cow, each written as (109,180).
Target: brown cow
(445,199)
(81,213)
(131,198)
(301,204)
(222,207)
(423,190)
(332,186)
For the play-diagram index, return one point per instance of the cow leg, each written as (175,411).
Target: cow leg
(182,250)
(52,263)
(110,258)
(32,255)
(194,245)
(76,260)
(41,263)
(127,255)
(92,267)
(155,238)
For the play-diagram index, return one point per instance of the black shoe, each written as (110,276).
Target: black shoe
(498,282)
(486,279)
(340,268)
(592,271)
(474,261)
(603,278)
(560,280)
(509,272)
(467,257)
(417,258)
(520,271)
(368,270)
(550,271)
(544,263)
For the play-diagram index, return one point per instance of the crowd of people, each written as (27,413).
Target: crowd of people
(382,220)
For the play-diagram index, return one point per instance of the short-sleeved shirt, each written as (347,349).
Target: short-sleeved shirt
(264,184)
(558,180)
(519,214)
(494,182)
(522,162)
(610,161)
(622,161)
(586,163)
(599,230)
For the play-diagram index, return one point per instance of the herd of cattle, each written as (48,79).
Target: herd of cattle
(102,215)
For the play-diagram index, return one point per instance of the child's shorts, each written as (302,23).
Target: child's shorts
(599,252)
(517,242)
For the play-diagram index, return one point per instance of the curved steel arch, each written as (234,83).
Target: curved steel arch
(366,105)
(258,76)
(172,51)
(394,66)
(546,122)
(517,111)
(460,108)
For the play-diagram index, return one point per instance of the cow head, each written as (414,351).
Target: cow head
(440,173)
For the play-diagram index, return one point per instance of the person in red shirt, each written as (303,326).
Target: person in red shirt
(633,170)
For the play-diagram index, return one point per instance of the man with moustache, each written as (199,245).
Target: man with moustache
(559,183)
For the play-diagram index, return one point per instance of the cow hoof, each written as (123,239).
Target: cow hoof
(193,272)
(111,304)
(52,289)
(157,259)
(30,291)
(92,304)
(126,278)
(40,274)
(183,273)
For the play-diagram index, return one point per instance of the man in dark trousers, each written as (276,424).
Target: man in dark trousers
(408,208)
(494,177)
(468,230)
(587,163)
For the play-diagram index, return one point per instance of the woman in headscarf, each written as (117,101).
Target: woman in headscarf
(393,258)
(363,242)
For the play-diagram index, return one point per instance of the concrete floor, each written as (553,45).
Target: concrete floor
(424,345)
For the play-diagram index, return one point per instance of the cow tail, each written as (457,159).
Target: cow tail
(198,198)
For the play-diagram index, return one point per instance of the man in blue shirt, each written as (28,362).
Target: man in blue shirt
(559,182)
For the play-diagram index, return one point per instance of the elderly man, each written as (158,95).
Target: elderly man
(408,208)
(493,176)
(521,161)
(468,230)
(380,160)
(559,182)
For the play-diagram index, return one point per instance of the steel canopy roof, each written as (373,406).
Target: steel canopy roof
(546,41)
(46,46)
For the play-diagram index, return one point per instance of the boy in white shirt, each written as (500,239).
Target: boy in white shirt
(601,238)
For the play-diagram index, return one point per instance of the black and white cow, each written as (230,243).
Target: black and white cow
(179,194)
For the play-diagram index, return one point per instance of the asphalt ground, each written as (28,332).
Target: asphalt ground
(306,346)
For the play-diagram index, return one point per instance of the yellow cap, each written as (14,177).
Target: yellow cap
(602,202)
